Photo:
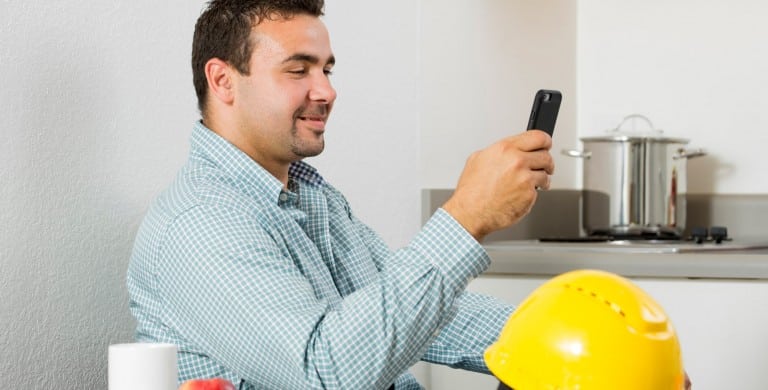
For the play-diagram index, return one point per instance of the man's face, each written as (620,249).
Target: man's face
(283,105)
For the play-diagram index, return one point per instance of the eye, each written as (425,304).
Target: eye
(327,72)
(298,71)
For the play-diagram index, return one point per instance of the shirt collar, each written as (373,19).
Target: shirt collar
(306,173)
(250,177)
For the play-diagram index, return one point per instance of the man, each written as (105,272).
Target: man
(256,267)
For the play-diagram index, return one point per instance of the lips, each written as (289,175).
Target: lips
(313,123)
(312,118)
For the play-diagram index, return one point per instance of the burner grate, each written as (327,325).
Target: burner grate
(716,234)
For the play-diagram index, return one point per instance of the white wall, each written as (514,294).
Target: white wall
(96,106)
(481,64)
(696,68)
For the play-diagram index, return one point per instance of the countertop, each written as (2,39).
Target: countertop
(514,251)
(530,257)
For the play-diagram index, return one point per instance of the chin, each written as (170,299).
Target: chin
(306,150)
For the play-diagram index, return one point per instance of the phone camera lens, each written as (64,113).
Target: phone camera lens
(546,97)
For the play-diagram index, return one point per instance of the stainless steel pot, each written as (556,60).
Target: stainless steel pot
(634,182)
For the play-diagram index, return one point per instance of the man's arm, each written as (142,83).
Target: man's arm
(475,324)
(231,291)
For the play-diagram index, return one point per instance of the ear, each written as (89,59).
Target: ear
(219,76)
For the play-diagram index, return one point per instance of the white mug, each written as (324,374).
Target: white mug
(145,366)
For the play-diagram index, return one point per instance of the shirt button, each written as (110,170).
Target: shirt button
(283,197)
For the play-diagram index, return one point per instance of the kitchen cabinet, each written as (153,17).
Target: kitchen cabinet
(722,326)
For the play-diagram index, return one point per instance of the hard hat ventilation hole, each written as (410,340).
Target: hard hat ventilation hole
(614,306)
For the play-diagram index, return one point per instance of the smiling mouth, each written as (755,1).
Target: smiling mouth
(313,118)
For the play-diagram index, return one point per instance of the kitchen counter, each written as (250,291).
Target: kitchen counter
(515,251)
(530,257)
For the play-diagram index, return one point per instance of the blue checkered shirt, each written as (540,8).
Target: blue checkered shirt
(283,288)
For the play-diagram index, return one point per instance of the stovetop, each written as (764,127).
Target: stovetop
(631,246)
(702,239)
(699,235)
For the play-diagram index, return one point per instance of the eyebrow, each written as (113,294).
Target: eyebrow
(302,57)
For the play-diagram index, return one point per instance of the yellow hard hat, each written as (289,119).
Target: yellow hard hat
(588,330)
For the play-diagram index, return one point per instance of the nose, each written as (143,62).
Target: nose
(322,91)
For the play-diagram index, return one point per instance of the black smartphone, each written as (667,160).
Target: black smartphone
(546,105)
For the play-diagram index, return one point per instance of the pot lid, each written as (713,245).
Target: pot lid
(623,134)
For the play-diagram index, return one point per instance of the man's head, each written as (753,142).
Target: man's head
(223,31)
(261,71)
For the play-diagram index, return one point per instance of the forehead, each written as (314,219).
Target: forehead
(282,38)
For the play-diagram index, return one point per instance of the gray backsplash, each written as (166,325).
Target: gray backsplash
(556,213)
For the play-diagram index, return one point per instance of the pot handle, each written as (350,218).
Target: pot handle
(577,153)
(689,153)
(641,117)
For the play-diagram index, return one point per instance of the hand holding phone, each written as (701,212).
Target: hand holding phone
(546,105)
(489,195)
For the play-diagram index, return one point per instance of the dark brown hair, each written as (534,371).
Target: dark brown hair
(223,30)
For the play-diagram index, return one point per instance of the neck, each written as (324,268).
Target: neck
(235,136)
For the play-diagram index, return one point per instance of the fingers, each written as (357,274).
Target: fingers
(535,147)
(542,181)
(531,140)
(529,153)
(541,160)
(498,184)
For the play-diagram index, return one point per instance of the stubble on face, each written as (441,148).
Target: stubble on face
(300,146)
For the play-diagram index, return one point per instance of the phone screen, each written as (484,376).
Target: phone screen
(546,105)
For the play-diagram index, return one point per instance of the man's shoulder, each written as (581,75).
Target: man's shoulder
(197,188)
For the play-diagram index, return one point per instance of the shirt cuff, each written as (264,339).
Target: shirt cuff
(451,249)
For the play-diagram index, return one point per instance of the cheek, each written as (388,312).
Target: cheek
(273,101)
(261,101)
(283,94)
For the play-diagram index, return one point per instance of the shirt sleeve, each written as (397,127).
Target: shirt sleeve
(475,320)
(475,324)
(232,292)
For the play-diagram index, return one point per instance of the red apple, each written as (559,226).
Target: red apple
(207,384)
